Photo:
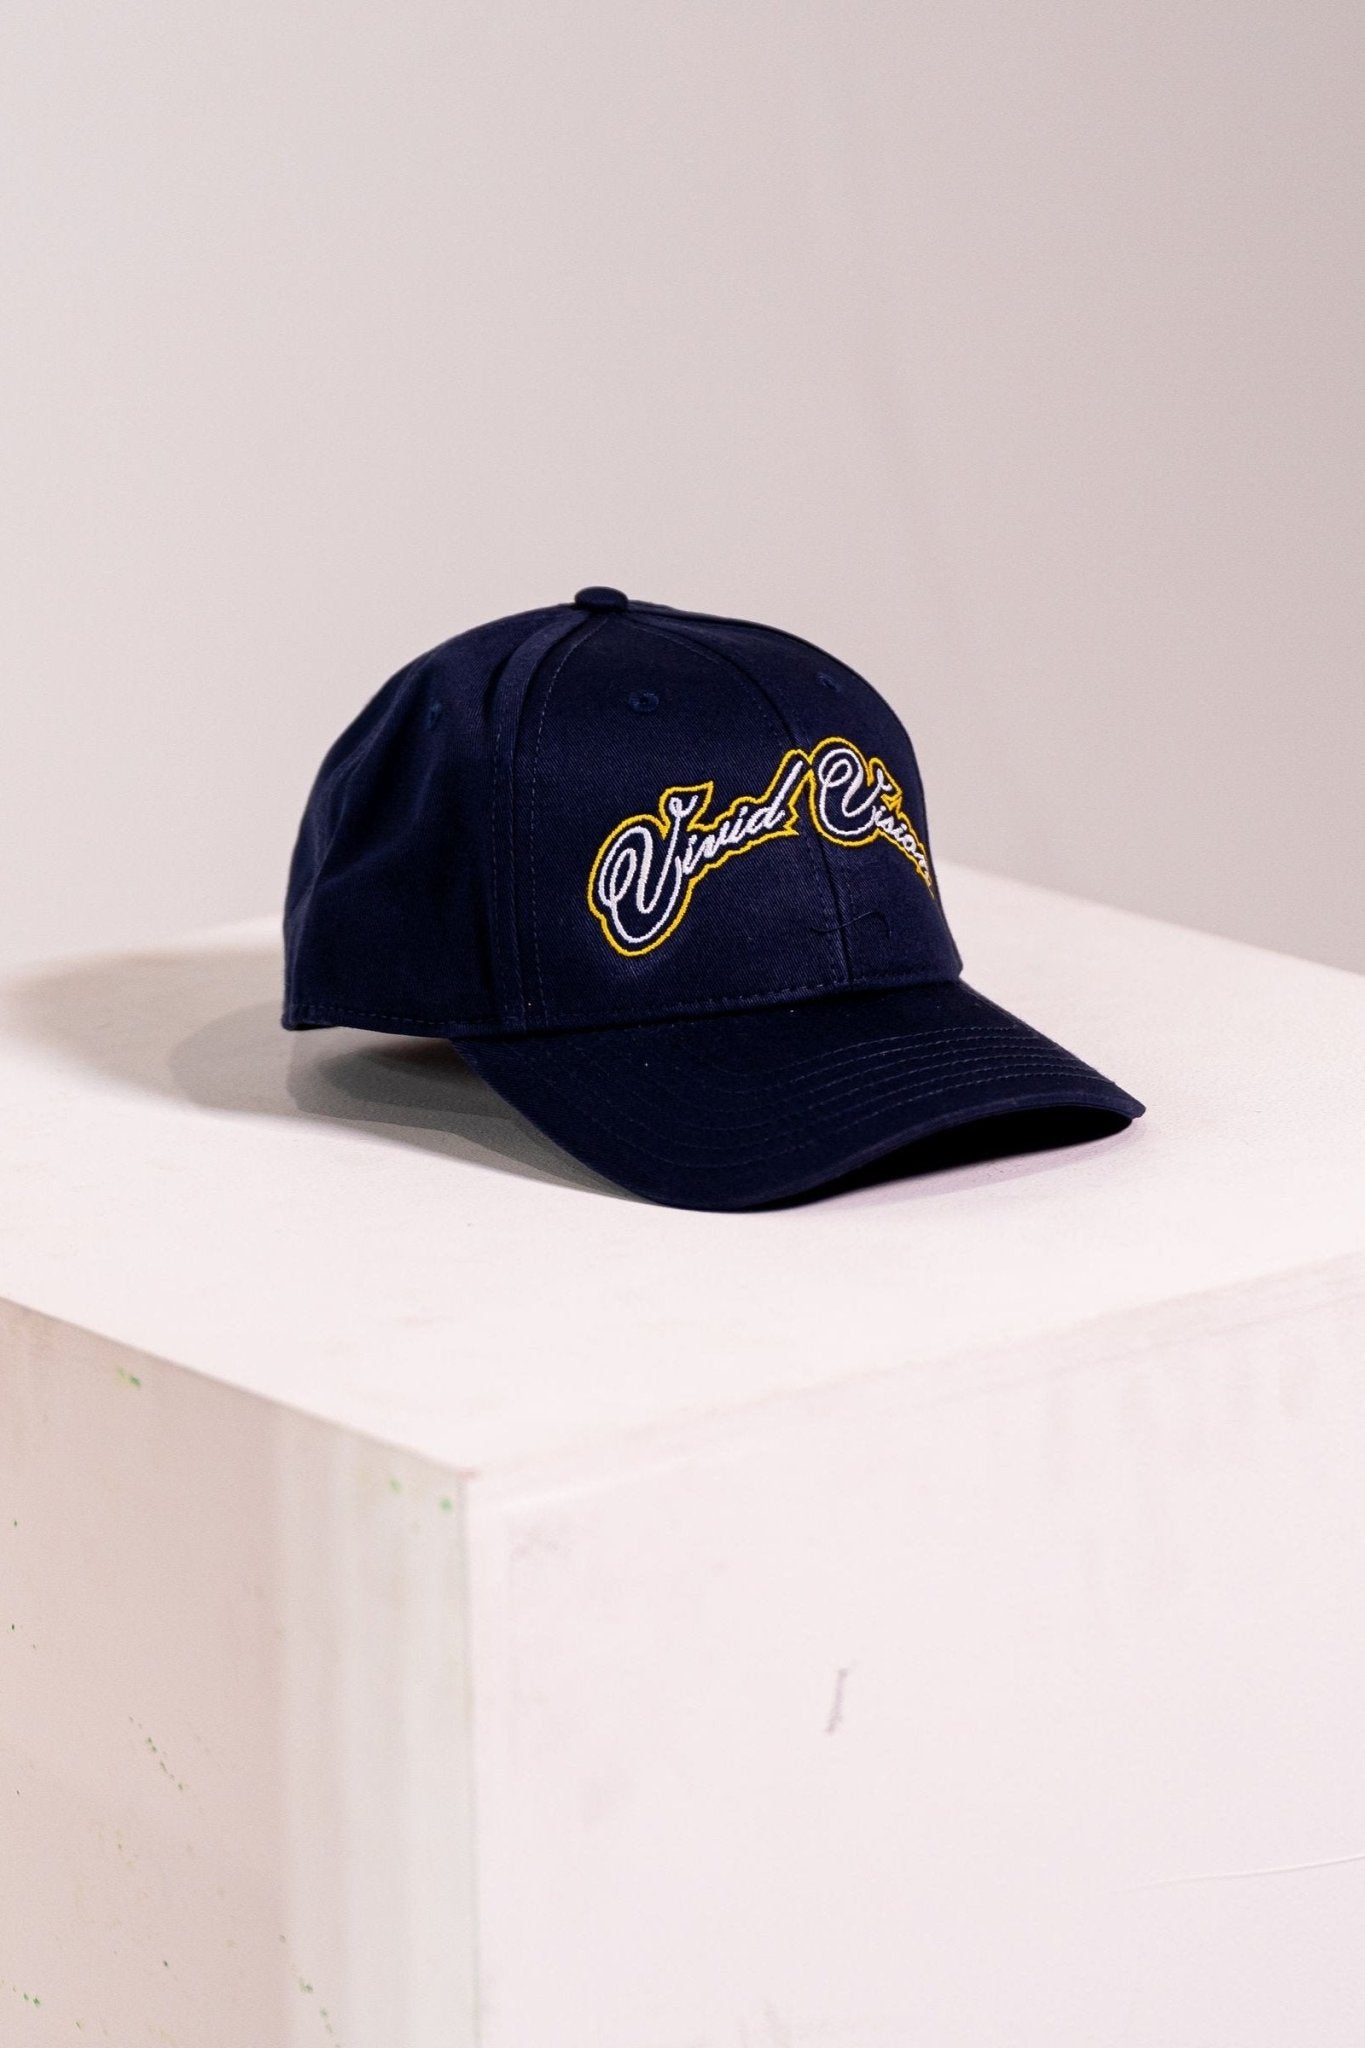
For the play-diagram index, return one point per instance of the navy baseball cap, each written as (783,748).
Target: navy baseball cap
(664,879)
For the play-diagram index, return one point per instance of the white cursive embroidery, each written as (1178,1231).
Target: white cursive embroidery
(647,867)
(854,800)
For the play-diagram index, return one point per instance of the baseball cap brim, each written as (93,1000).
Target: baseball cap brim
(734,1110)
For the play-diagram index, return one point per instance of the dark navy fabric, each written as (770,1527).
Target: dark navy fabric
(566,838)
(440,879)
(388,915)
(731,1111)
(790,917)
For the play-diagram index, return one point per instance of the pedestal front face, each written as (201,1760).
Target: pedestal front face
(1024,1710)
(234,1732)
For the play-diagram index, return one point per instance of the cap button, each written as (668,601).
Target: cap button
(598,598)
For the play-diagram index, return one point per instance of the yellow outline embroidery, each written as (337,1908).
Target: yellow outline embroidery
(892,794)
(695,829)
(660,818)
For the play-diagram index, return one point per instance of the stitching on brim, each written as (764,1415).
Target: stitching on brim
(846,1086)
(909,1042)
(708,1155)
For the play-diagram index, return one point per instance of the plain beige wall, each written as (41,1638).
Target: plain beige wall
(1014,351)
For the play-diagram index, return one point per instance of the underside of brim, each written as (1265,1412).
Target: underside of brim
(757,1106)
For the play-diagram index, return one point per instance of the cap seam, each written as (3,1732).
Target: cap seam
(505,935)
(724,660)
(755,626)
(578,641)
(490,1025)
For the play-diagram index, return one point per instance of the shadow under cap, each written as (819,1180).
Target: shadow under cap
(175,1024)
(201,1024)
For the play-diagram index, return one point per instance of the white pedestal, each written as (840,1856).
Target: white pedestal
(447,1604)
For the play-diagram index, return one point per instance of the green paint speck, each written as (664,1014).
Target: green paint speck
(130,1379)
(395,1486)
(446,1504)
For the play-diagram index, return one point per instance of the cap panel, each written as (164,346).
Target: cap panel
(388,920)
(662,865)
(864,800)
(508,704)
(468,859)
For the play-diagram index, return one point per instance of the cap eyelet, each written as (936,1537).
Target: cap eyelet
(830,682)
(643,700)
(434,710)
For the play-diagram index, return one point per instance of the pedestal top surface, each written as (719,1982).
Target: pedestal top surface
(354,1225)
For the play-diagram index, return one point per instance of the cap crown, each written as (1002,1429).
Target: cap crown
(573,818)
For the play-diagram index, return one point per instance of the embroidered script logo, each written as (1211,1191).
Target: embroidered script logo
(647,867)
